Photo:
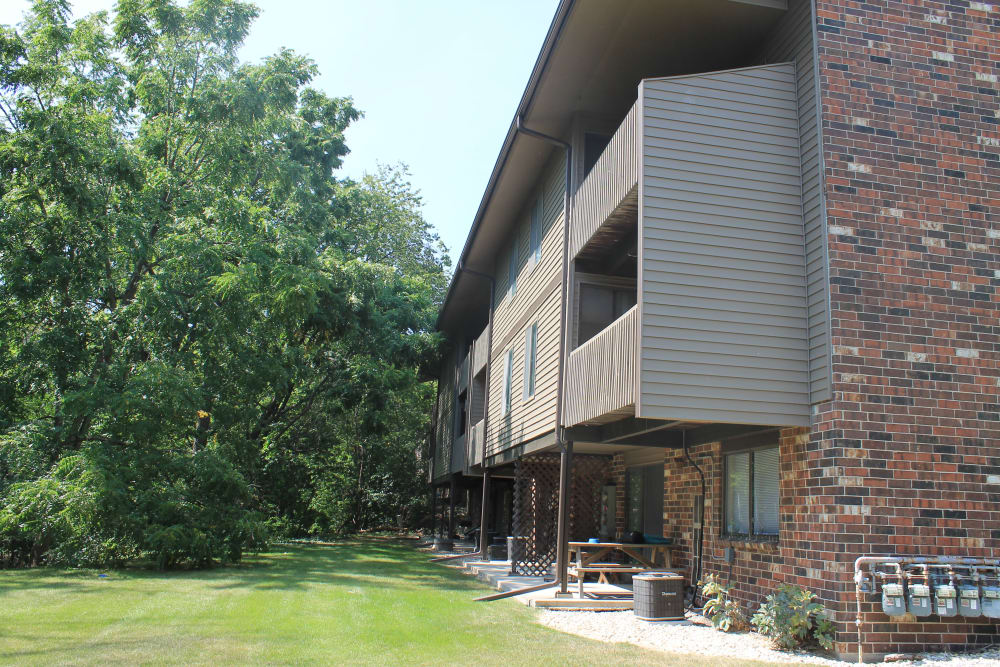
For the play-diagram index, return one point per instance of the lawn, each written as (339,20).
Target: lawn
(368,601)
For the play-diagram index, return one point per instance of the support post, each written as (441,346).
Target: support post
(562,527)
(451,508)
(484,539)
(434,509)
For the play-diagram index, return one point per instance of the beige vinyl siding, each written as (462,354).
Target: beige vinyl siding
(537,300)
(533,416)
(445,428)
(792,40)
(722,293)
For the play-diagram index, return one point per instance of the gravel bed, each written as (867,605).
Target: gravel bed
(692,636)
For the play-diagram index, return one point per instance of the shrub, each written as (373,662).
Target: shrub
(725,614)
(791,617)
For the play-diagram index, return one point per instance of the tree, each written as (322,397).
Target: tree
(187,292)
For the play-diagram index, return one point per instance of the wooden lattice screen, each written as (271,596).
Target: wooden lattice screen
(536,507)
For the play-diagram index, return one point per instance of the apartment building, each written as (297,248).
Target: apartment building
(733,282)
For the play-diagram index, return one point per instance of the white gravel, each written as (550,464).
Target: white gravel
(695,638)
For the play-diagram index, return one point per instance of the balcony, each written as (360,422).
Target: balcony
(608,197)
(600,374)
(475,451)
(480,352)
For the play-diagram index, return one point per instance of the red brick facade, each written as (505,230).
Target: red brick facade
(900,461)
(906,458)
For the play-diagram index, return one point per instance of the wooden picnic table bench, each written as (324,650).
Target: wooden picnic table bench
(585,557)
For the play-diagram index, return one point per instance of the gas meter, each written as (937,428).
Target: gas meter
(893,599)
(945,599)
(969,604)
(991,597)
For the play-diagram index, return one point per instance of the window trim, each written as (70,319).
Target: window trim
(530,361)
(508,381)
(749,445)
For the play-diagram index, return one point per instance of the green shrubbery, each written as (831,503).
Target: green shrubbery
(725,614)
(791,617)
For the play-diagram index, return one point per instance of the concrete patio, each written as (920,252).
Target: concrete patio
(496,574)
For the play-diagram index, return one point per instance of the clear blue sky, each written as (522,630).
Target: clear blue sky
(438,81)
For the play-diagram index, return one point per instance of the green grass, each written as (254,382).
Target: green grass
(368,601)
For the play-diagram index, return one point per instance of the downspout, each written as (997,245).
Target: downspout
(483,537)
(565,447)
(696,574)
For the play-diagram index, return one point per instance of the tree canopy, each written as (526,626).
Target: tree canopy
(206,336)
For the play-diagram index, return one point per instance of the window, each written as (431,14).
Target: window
(593,145)
(751,492)
(530,349)
(512,270)
(508,368)
(644,499)
(461,414)
(600,305)
(535,232)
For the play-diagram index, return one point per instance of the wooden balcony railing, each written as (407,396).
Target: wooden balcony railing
(463,373)
(607,185)
(475,456)
(600,374)
(480,351)
(458,453)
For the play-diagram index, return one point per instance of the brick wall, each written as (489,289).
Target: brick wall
(904,459)
(759,566)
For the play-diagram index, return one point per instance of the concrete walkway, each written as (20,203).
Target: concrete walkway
(496,574)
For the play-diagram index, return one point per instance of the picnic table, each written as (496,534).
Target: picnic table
(585,557)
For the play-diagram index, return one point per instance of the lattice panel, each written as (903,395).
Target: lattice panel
(536,514)
(590,473)
(536,507)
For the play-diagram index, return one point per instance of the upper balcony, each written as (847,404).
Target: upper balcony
(600,374)
(480,352)
(607,200)
(695,211)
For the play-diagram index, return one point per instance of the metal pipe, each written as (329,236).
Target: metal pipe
(696,574)
(515,592)
(565,448)
(922,561)
(483,537)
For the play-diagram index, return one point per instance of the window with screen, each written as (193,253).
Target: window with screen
(530,354)
(535,232)
(508,375)
(751,491)
(600,305)
(512,269)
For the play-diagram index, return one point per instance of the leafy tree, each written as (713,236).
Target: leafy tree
(198,321)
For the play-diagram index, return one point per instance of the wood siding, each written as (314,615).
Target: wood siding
(537,299)
(614,175)
(792,40)
(600,374)
(722,294)
(444,430)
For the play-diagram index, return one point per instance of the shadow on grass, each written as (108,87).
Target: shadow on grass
(394,564)
(382,562)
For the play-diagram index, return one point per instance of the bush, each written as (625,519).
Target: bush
(725,614)
(791,617)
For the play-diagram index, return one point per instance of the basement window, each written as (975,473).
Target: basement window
(751,492)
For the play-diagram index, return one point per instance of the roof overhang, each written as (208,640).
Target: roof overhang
(592,60)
